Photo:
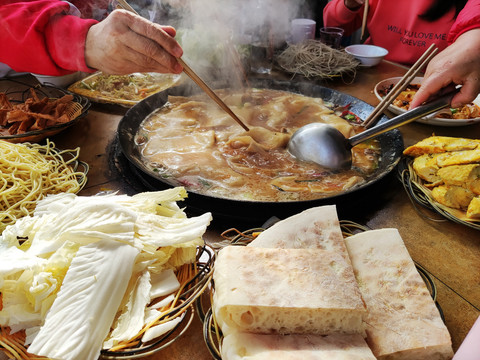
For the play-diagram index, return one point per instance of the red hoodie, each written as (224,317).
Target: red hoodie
(40,37)
(396,26)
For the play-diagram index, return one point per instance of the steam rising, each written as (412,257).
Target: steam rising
(215,34)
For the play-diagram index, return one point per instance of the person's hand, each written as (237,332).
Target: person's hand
(124,43)
(459,64)
(353,4)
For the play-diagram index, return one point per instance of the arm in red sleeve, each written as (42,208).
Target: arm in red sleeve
(40,37)
(337,14)
(467,19)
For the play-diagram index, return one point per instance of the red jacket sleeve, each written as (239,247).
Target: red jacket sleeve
(337,14)
(39,37)
(467,19)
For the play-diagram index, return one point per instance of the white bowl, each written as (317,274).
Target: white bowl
(429,119)
(368,55)
(60,81)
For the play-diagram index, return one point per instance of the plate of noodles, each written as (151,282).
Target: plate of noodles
(32,113)
(29,172)
(466,115)
(125,90)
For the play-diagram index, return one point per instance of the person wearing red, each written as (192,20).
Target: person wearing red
(406,29)
(51,37)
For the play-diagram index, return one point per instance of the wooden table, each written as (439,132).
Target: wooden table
(450,252)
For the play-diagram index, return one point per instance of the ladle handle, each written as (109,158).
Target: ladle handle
(405,118)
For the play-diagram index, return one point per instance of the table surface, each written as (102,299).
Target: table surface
(450,252)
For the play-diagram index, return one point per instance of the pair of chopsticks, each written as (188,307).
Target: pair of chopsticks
(400,86)
(193,75)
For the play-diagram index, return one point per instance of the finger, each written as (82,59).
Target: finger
(430,86)
(468,92)
(169,30)
(156,33)
(148,53)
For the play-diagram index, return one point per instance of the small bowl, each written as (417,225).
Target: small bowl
(368,55)
(60,81)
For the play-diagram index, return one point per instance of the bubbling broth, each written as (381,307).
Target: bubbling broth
(191,142)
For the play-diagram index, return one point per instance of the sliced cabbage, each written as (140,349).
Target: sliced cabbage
(81,316)
(47,275)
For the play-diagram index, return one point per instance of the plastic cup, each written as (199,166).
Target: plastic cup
(302,29)
(331,36)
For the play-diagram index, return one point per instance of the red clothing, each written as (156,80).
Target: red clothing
(39,37)
(396,26)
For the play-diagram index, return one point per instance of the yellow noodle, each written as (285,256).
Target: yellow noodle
(29,172)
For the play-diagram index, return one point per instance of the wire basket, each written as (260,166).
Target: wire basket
(421,195)
(18,92)
(185,308)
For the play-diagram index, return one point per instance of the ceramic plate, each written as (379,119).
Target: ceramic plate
(430,119)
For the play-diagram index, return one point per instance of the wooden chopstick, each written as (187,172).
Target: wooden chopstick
(126,6)
(400,86)
(193,75)
(364,19)
(210,92)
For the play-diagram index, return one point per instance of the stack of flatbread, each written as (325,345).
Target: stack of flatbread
(300,291)
(450,168)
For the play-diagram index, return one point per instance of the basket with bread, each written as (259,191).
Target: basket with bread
(305,288)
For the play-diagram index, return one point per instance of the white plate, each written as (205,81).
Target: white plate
(429,119)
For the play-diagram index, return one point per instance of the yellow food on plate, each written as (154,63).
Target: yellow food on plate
(467,176)
(473,210)
(426,167)
(440,144)
(449,170)
(455,197)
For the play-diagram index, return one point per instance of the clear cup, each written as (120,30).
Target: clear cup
(331,36)
(302,29)
(261,54)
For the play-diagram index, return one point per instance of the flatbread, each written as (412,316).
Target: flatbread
(237,346)
(286,291)
(314,228)
(402,320)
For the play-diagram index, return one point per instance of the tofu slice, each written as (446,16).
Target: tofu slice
(473,210)
(456,197)
(427,169)
(402,320)
(459,158)
(441,144)
(286,291)
(467,176)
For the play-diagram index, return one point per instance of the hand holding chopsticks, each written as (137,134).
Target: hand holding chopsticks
(124,5)
(400,86)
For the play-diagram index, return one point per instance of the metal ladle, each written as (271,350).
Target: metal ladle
(326,146)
